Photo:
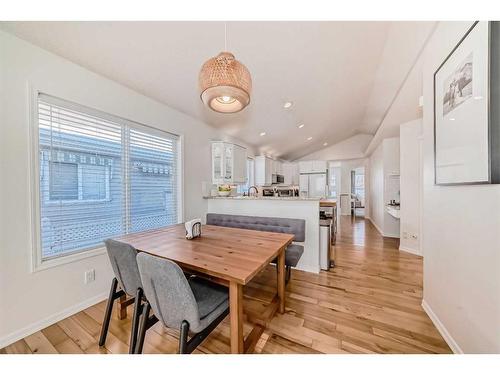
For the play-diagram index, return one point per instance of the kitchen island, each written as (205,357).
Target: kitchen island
(286,207)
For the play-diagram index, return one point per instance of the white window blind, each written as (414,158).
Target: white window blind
(100,176)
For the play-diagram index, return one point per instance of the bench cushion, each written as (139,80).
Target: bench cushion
(292,255)
(297,227)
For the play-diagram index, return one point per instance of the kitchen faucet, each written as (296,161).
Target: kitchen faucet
(252,187)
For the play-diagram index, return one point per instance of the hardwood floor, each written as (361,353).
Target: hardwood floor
(369,303)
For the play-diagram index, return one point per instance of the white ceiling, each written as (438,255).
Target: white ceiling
(341,76)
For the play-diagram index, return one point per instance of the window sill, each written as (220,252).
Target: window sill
(39,265)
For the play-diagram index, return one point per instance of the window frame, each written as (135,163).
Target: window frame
(37,261)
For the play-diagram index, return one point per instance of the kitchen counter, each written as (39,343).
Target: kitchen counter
(328,203)
(393,211)
(267,198)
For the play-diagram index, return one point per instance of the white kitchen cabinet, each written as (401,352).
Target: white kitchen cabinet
(263,170)
(273,166)
(290,173)
(305,166)
(279,167)
(313,166)
(228,163)
(319,166)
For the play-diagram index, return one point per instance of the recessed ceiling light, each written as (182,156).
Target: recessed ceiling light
(478,97)
(452,119)
(287,105)
(325,144)
(301,126)
(309,138)
(262,134)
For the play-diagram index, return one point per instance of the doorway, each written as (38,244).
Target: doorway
(358,191)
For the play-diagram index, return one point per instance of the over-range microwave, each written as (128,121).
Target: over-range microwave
(278,179)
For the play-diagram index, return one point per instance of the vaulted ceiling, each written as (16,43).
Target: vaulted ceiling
(341,76)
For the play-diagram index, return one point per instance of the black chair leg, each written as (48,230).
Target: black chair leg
(183,337)
(135,320)
(143,326)
(107,314)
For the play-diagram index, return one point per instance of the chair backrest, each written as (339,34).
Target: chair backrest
(168,291)
(297,227)
(123,260)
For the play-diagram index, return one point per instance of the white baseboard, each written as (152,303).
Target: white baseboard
(391,235)
(409,250)
(44,323)
(442,329)
(376,226)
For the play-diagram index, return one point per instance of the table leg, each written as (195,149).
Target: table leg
(121,307)
(281,281)
(236,316)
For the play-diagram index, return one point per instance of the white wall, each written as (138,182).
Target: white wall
(384,162)
(376,191)
(30,301)
(411,185)
(461,235)
(351,148)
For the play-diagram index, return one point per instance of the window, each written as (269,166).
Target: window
(334,174)
(77,182)
(100,177)
(63,181)
(359,185)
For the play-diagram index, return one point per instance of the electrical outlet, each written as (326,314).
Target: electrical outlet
(414,236)
(89,276)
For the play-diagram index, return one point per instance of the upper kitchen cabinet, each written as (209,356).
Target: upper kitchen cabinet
(313,166)
(264,169)
(291,173)
(228,163)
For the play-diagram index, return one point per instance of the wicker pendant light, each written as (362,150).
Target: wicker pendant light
(225,84)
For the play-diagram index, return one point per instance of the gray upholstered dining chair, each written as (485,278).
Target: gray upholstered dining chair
(195,306)
(123,260)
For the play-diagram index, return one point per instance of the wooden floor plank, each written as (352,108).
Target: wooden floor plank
(369,303)
(39,344)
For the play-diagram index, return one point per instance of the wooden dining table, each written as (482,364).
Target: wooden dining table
(227,256)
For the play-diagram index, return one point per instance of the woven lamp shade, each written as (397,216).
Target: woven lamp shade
(225,84)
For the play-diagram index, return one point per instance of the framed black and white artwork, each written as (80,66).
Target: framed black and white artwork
(463,123)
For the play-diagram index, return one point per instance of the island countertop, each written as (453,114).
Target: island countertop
(267,198)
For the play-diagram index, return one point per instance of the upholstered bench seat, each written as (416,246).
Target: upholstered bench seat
(293,254)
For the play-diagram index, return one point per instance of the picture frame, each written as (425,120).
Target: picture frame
(466,126)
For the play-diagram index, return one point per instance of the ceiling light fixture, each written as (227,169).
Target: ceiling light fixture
(287,105)
(301,126)
(225,83)
(325,144)
(262,134)
(309,138)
